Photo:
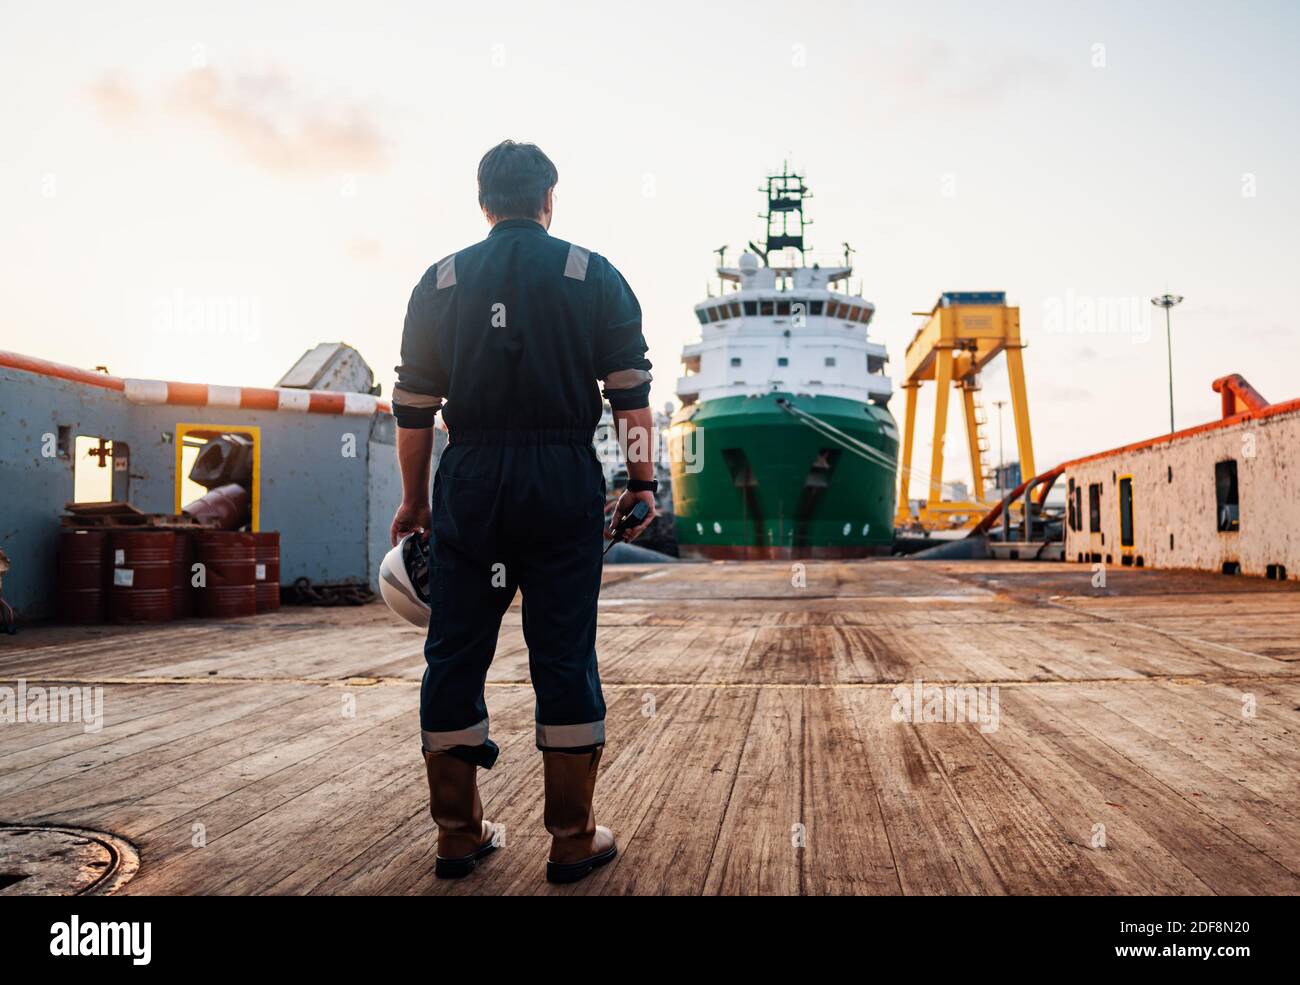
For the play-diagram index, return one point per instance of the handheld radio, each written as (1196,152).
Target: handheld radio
(631,518)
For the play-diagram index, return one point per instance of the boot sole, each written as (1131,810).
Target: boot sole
(562,872)
(458,868)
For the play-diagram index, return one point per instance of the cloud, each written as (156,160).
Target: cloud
(262,113)
(365,248)
(931,74)
(1063,393)
(266,116)
(115,97)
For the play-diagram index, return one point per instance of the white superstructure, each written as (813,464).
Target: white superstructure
(784,328)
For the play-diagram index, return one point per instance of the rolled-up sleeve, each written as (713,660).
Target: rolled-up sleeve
(620,346)
(421,381)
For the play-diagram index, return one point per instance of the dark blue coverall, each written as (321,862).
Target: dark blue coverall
(513,333)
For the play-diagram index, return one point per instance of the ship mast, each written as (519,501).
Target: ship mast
(784,216)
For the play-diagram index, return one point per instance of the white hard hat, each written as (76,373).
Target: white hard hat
(404,580)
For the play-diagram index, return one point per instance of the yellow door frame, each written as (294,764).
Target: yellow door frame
(212,430)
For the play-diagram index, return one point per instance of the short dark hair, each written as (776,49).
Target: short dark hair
(513,180)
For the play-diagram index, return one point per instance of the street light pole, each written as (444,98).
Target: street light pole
(1167,301)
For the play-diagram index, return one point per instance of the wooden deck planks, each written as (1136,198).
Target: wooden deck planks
(1160,787)
(764,832)
(848,843)
(752,748)
(665,797)
(934,848)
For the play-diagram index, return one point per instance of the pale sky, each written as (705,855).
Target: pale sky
(291,170)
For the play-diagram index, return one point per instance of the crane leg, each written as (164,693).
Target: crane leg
(942,385)
(903,515)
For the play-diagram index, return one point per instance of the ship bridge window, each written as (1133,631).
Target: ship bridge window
(712,313)
(733,310)
(751,308)
(815,307)
(855,313)
(766,308)
(783,308)
(703,315)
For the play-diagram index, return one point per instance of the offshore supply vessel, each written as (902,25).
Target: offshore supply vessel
(784,446)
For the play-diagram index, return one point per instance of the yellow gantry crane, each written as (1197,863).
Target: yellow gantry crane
(963,332)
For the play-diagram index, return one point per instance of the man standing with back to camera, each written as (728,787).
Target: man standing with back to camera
(513,334)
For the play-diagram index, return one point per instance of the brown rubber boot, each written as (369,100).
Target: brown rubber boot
(578,844)
(463,836)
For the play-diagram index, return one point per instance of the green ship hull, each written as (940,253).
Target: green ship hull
(753,482)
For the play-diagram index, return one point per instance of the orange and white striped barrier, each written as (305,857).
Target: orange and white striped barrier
(206,394)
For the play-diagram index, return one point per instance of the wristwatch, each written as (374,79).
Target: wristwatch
(642,485)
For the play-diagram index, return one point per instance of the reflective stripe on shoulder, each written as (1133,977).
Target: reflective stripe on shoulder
(447,272)
(576,265)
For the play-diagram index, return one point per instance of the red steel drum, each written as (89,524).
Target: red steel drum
(267,547)
(229,562)
(182,574)
(142,575)
(84,566)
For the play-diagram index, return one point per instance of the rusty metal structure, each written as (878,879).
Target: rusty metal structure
(1222,496)
(334,366)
